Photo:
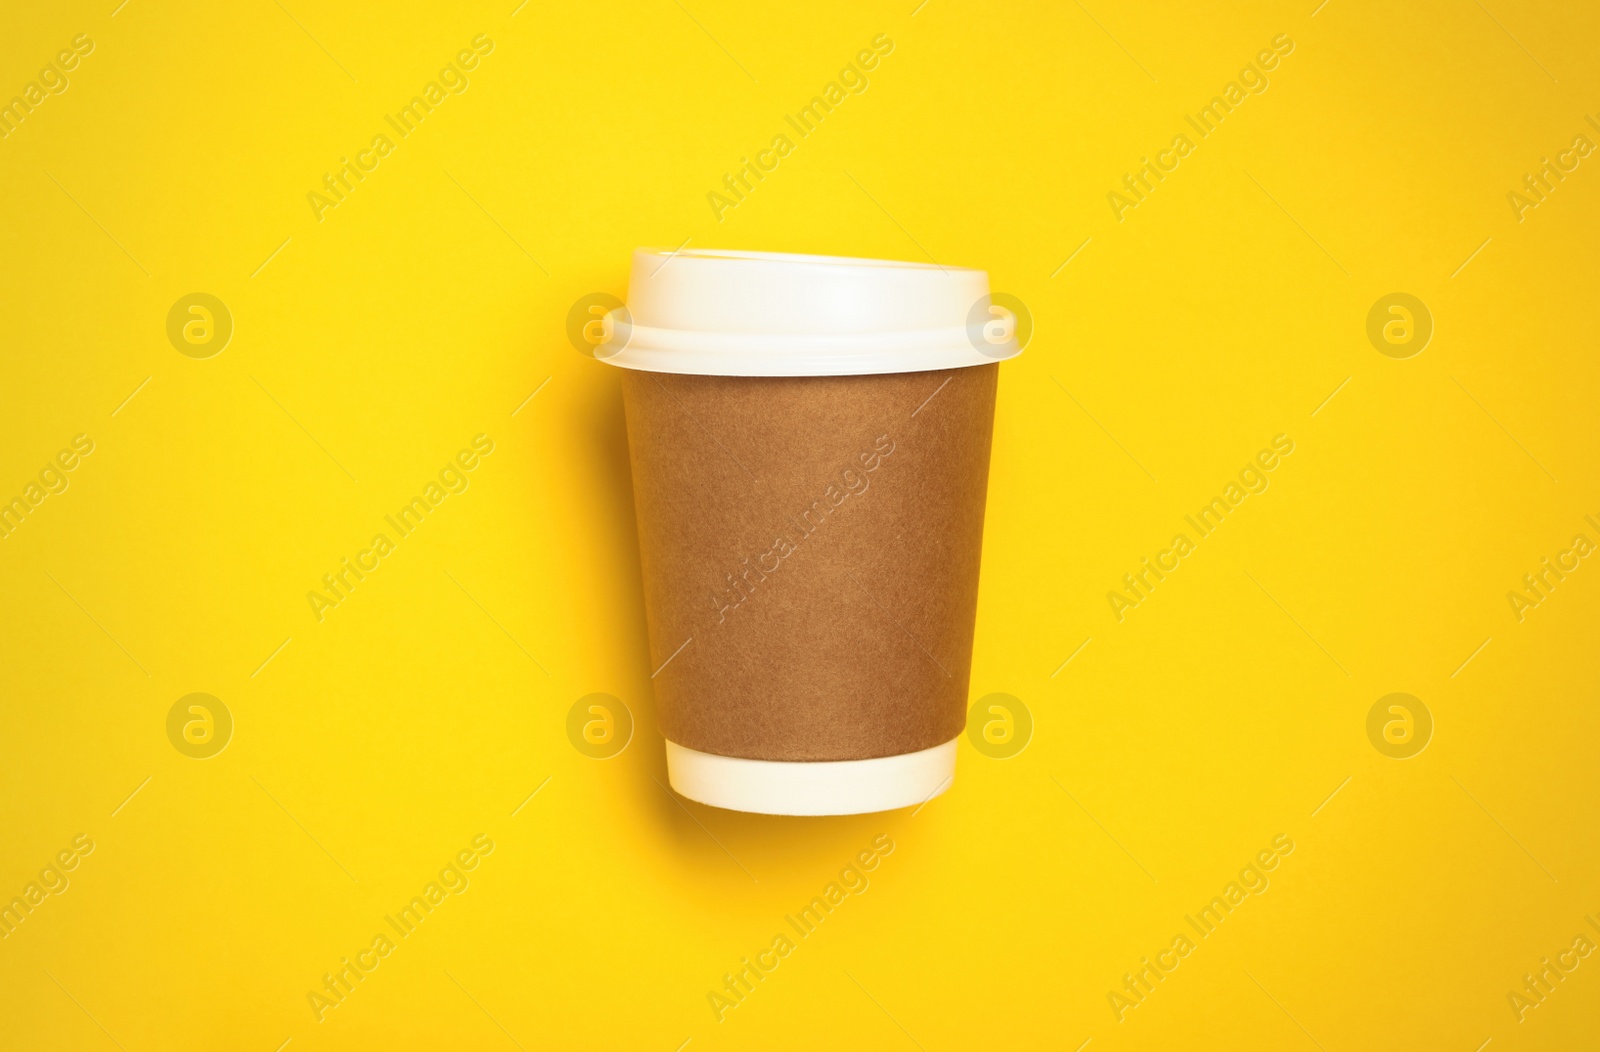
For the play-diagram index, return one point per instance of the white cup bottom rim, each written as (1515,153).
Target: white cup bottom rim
(826,787)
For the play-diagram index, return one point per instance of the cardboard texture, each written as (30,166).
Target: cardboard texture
(810,551)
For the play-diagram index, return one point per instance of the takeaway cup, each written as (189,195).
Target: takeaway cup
(809,439)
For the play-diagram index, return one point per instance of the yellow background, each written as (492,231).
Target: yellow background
(370,346)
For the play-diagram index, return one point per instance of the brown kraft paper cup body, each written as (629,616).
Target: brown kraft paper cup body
(810,551)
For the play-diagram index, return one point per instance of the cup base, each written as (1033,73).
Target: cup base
(824,787)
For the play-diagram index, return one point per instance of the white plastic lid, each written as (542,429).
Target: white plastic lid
(724,313)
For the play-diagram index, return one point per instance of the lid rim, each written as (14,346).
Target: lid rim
(746,313)
(804,259)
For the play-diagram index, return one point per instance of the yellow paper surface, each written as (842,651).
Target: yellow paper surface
(464,700)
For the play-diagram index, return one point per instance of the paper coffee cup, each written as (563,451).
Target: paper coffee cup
(809,439)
